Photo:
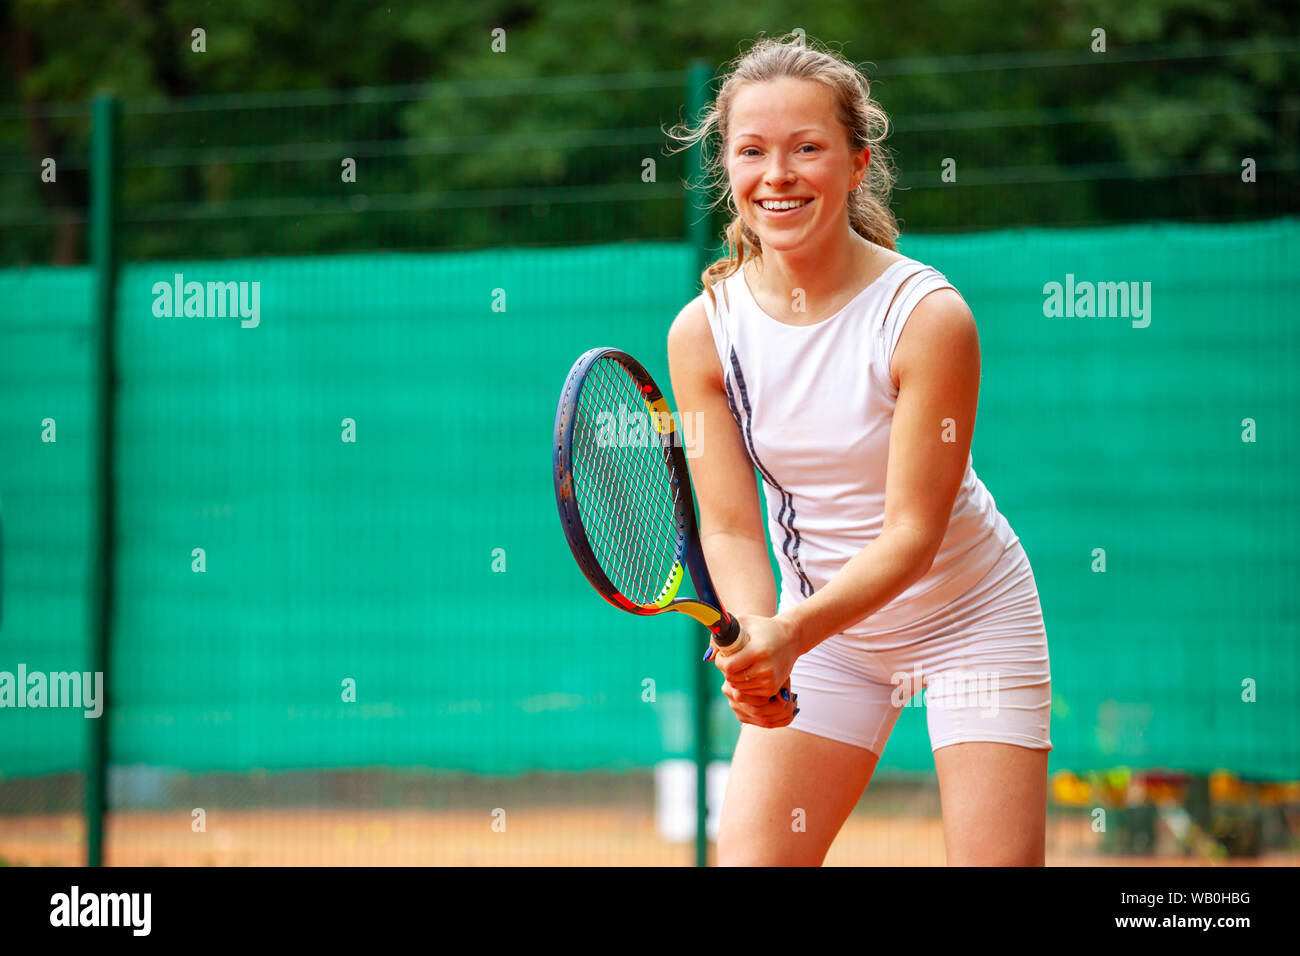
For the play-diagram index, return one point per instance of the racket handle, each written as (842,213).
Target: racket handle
(730,633)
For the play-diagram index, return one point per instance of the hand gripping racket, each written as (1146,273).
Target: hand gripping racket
(624,493)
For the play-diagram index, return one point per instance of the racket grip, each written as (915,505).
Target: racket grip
(728,633)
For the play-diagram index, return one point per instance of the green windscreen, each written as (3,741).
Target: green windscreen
(422,560)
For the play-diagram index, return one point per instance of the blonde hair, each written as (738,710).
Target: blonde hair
(864,119)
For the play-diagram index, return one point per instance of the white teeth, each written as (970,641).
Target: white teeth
(784,204)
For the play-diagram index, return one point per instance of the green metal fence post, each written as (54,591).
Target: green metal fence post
(699,235)
(105,188)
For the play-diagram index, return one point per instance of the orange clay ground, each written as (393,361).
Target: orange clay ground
(599,836)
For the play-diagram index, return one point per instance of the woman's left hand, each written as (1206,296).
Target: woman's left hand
(758,669)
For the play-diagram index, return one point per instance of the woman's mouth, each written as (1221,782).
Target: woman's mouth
(782,208)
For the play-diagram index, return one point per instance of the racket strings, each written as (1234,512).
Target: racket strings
(624,485)
(630,518)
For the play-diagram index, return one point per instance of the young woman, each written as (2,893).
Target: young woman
(847,375)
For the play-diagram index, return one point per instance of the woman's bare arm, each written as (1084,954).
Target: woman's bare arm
(731,527)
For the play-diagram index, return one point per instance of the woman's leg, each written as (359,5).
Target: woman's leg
(788,794)
(994,799)
(988,703)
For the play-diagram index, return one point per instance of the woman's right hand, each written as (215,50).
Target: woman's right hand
(770,713)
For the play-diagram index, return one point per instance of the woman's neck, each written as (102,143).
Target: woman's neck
(821,282)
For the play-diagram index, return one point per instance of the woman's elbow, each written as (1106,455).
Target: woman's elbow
(923,546)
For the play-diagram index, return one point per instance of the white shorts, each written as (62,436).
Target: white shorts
(983,661)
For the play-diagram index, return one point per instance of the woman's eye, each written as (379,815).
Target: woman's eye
(754,149)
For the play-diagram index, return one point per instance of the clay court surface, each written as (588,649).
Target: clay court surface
(544,837)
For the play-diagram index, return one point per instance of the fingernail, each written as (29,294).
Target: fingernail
(785,695)
(708,655)
(772,699)
(796,712)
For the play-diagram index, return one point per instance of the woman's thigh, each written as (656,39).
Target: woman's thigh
(994,799)
(788,794)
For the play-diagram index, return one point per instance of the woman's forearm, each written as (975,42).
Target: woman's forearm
(741,572)
(877,574)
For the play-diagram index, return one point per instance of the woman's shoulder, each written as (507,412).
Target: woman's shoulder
(712,306)
(692,320)
(906,273)
(693,343)
(889,258)
(692,327)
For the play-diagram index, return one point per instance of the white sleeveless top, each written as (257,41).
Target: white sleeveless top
(814,405)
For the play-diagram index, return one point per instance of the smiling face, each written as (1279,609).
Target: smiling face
(789,162)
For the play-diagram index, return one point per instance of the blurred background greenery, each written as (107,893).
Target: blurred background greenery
(506,148)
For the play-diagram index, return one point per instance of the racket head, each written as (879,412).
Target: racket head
(621,484)
(625,502)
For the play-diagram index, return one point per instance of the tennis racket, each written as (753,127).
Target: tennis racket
(624,494)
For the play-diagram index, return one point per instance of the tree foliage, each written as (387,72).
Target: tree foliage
(236,150)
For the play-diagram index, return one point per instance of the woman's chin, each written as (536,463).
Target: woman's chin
(782,240)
